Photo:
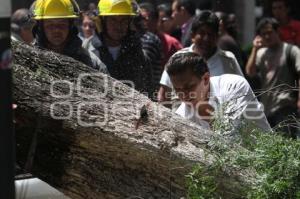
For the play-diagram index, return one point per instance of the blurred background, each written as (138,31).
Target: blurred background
(247,12)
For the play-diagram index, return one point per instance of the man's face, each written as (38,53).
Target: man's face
(279,10)
(269,36)
(205,39)
(190,88)
(88,26)
(56,30)
(177,14)
(117,27)
(149,23)
(165,23)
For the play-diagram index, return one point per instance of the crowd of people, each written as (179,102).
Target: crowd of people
(168,47)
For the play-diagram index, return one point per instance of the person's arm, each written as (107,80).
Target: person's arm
(165,88)
(295,55)
(163,94)
(251,66)
(97,63)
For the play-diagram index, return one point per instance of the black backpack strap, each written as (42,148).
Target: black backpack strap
(290,60)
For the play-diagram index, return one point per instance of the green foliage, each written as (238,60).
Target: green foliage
(202,182)
(277,162)
(274,158)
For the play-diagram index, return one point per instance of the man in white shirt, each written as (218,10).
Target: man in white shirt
(204,98)
(205,28)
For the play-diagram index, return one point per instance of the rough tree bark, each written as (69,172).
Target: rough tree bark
(97,152)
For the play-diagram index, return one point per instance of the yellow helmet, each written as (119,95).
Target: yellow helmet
(54,9)
(115,7)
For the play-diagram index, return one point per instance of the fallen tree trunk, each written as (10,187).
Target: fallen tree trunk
(88,142)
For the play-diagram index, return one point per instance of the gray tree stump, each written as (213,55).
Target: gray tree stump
(87,143)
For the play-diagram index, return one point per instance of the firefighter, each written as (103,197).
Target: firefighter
(55,30)
(119,47)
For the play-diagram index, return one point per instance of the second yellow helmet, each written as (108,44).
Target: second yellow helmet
(115,7)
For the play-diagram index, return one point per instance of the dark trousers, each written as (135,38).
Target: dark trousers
(286,121)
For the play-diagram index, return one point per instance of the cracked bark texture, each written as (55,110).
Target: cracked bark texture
(96,151)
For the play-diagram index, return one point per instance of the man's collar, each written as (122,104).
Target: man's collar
(213,57)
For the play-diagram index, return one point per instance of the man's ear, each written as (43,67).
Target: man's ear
(193,37)
(221,24)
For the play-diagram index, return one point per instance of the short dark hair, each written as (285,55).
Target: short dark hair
(222,16)
(264,21)
(166,8)
(21,19)
(286,3)
(189,5)
(151,9)
(182,62)
(208,18)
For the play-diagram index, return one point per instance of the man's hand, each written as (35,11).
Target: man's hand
(250,66)
(164,94)
(258,42)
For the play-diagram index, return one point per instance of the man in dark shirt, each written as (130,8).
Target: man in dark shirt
(119,47)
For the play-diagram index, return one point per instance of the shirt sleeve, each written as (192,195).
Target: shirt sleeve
(165,80)
(242,105)
(258,60)
(237,66)
(231,65)
(295,51)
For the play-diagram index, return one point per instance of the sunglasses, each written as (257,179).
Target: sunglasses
(164,19)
